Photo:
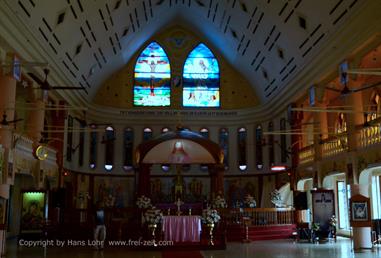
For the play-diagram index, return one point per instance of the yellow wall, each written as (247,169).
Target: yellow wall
(235,91)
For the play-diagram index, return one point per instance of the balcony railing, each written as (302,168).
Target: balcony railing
(335,145)
(370,135)
(306,154)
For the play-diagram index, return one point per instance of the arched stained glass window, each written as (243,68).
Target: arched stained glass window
(152,77)
(128,139)
(258,147)
(108,140)
(224,144)
(93,147)
(201,79)
(242,134)
(165,130)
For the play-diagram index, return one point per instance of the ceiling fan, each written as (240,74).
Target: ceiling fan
(346,91)
(84,123)
(45,85)
(5,122)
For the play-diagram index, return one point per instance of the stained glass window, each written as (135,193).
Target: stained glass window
(152,77)
(128,148)
(204,132)
(201,79)
(224,144)
(242,134)
(108,140)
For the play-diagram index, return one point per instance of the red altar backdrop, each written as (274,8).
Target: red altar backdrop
(182,228)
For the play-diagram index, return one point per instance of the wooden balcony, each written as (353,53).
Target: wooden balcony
(306,154)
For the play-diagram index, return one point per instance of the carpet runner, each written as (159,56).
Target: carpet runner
(181,254)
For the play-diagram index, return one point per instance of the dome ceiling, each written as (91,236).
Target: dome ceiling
(270,42)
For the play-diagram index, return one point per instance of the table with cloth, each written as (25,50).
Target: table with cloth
(182,228)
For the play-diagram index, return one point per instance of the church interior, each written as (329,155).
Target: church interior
(190,128)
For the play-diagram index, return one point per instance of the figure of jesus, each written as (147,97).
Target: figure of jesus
(152,66)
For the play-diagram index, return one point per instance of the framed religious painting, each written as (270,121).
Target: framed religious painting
(360,211)
(32,211)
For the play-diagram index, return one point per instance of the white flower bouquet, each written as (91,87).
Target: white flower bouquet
(219,202)
(249,201)
(143,202)
(153,216)
(276,198)
(210,216)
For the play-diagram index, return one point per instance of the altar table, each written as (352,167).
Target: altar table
(182,228)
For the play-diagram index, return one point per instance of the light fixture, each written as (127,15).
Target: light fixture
(278,168)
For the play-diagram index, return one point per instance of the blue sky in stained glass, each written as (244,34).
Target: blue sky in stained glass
(201,63)
(201,79)
(153,62)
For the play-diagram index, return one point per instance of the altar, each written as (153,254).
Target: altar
(182,228)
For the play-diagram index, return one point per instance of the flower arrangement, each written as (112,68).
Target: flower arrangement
(249,201)
(143,202)
(210,216)
(219,202)
(332,221)
(276,199)
(153,216)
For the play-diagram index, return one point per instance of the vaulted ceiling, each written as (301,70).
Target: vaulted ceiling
(270,42)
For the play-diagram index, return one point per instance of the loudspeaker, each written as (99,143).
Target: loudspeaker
(300,200)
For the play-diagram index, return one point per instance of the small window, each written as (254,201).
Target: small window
(242,135)
(258,147)
(93,147)
(108,140)
(147,134)
(128,149)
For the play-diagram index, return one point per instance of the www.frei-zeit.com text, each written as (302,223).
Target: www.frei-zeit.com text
(92,243)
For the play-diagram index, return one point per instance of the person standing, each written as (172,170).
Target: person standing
(100,228)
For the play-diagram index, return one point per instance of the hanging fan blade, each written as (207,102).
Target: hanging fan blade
(367,87)
(44,85)
(36,79)
(15,121)
(66,88)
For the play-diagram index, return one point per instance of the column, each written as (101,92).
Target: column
(144,184)
(361,235)
(216,180)
(7,109)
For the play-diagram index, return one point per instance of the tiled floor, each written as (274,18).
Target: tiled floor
(267,249)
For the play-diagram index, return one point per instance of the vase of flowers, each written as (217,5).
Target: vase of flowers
(276,198)
(210,217)
(219,202)
(249,201)
(143,202)
(153,217)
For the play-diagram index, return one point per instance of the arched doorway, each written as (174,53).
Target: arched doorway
(181,147)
